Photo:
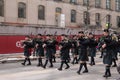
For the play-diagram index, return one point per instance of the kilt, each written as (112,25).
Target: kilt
(64,54)
(40,52)
(49,54)
(27,52)
(92,52)
(107,57)
(83,56)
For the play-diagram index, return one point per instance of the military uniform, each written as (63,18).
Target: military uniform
(39,50)
(27,50)
(74,50)
(107,53)
(92,50)
(83,55)
(49,52)
(64,52)
(54,49)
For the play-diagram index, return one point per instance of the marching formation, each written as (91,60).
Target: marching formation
(81,46)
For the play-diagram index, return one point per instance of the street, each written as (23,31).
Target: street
(15,71)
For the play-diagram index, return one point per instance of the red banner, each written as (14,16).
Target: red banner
(10,44)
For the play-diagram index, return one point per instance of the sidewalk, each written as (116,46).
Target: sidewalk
(14,57)
(11,57)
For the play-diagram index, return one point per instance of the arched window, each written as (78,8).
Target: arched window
(2,8)
(41,12)
(21,10)
(73,15)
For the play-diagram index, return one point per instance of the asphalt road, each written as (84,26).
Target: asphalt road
(15,71)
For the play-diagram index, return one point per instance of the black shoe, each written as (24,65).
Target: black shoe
(93,63)
(50,66)
(76,62)
(114,66)
(85,71)
(78,72)
(67,67)
(23,64)
(72,63)
(60,69)
(105,75)
(38,65)
(90,64)
(29,64)
(44,67)
(109,75)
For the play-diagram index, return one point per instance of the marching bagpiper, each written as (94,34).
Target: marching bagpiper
(48,44)
(64,46)
(107,54)
(39,49)
(83,56)
(92,48)
(27,44)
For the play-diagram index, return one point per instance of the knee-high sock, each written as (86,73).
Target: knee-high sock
(62,62)
(50,60)
(66,63)
(114,61)
(25,60)
(46,63)
(29,60)
(81,65)
(85,66)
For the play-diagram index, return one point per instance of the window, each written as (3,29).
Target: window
(58,12)
(1,8)
(73,16)
(86,2)
(21,10)
(73,1)
(86,18)
(117,5)
(97,18)
(108,4)
(41,12)
(108,19)
(118,21)
(97,3)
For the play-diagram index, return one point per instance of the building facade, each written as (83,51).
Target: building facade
(78,13)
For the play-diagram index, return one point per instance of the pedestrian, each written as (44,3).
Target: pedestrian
(74,49)
(55,43)
(48,44)
(27,44)
(115,49)
(107,54)
(92,48)
(39,49)
(64,46)
(83,55)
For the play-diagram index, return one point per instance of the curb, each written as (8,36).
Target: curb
(12,60)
